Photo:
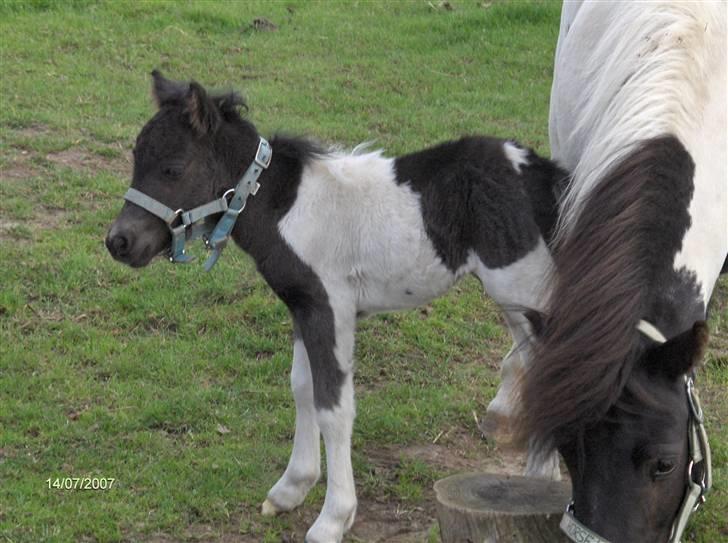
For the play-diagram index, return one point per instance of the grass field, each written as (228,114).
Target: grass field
(175,382)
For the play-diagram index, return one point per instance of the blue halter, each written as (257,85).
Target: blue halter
(194,224)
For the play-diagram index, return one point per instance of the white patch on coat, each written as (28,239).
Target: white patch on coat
(520,284)
(517,155)
(625,73)
(354,225)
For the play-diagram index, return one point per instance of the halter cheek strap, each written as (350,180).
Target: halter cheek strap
(247,185)
(194,224)
(699,473)
(699,476)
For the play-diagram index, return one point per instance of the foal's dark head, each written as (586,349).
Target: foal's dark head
(185,156)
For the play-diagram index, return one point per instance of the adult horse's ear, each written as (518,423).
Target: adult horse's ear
(164,90)
(203,113)
(680,354)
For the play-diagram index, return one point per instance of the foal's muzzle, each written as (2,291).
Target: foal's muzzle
(118,246)
(135,244)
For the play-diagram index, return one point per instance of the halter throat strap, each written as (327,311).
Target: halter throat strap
(699,476)
(194,224)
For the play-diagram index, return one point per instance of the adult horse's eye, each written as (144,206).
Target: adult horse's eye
(662,467)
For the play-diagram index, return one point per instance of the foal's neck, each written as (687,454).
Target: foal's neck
(256,231)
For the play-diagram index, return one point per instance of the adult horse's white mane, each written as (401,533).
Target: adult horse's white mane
(637,74)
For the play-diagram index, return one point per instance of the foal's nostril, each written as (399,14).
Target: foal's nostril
(118,246)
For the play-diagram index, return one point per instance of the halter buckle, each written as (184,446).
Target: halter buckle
(694,401)
(263,154)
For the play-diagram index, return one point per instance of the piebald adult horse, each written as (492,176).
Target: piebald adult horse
(638,115)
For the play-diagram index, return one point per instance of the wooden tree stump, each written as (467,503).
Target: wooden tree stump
(489,508)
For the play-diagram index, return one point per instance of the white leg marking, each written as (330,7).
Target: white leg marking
(543,467)
(500,409)
(339,510)
(304,467)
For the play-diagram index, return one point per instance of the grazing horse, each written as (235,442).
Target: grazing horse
(638,115)
(336,236)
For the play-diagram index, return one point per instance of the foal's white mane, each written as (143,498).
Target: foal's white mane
(646,76)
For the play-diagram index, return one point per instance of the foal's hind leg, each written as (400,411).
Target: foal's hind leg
(499,415)
(518,285)
(501,409)
(304,467)
(542,465)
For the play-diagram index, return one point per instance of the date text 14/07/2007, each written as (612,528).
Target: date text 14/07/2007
(80,483)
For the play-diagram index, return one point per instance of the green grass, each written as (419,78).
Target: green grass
(110,372)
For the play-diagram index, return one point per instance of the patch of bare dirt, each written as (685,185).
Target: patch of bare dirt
(391,522)
(47,219)
(379,519)
(19,168)
(81,159)
(30,132)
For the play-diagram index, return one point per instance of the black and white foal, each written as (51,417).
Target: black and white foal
(338,236)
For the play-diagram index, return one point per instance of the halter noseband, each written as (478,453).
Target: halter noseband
(194,224)
(699,476)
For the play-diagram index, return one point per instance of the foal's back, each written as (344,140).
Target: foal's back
(398,232)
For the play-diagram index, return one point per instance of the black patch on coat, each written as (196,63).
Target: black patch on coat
(473,199)
(295,283)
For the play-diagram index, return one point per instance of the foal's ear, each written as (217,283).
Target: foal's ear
(203,113)
(165,90)
(680,354)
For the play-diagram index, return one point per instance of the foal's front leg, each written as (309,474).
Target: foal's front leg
(304,467)
(329,339)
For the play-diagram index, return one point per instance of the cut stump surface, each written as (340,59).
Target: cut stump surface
(490,508)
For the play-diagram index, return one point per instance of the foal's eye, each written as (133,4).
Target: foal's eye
(662,468)
(172,171)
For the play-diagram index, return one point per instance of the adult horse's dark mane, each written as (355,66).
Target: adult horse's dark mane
(609,267)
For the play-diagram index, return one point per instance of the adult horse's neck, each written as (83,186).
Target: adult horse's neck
(630,75)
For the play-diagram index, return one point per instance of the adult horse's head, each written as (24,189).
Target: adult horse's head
(183,157)
(606,388)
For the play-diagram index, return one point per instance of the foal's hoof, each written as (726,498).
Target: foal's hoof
(268,509)
(497,427)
